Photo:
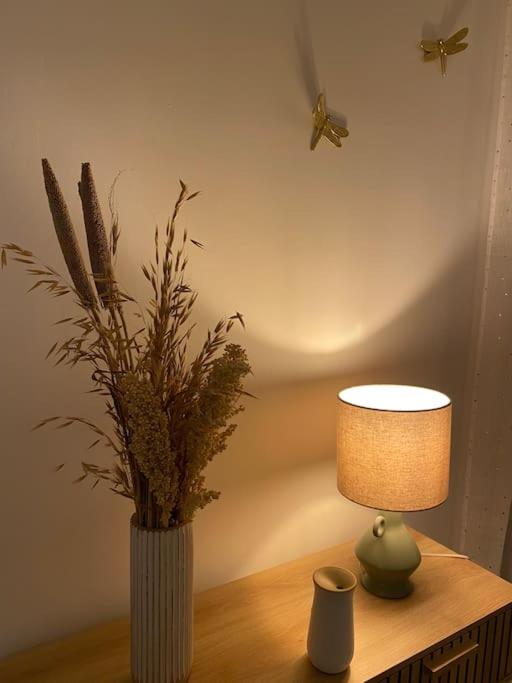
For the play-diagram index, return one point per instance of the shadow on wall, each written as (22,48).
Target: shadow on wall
(306,64)
(292,424)
(447,24)
(281,463)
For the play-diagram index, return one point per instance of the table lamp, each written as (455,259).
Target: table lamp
(393,455)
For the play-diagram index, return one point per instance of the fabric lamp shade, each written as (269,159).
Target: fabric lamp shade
(394,446)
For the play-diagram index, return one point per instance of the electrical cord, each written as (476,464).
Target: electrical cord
(453,555)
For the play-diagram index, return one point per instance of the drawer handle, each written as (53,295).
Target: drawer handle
(439,663)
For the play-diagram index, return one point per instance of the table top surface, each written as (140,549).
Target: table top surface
(254,629)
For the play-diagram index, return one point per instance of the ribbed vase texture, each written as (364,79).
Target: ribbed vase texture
(161,604)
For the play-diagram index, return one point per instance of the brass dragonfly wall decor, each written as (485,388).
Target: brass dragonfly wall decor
(324,126)
(441,49)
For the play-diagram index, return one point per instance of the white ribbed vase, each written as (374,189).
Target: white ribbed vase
(161,573)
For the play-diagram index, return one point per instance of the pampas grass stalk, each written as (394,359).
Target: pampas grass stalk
(99,252)
(66,236)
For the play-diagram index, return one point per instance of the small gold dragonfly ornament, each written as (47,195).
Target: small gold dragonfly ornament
(435,49)
(324,126)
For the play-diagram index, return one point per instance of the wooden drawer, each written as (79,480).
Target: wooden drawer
(481,654)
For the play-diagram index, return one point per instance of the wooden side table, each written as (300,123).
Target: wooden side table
(456,627)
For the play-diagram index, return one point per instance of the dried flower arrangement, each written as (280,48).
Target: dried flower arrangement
(171,414)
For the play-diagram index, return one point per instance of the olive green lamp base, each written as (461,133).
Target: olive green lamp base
(388,555)
(386,589)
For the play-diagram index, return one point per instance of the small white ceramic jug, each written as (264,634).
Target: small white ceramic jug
(331,627)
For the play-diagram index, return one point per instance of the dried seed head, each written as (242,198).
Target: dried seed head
(99,253)
(66,236)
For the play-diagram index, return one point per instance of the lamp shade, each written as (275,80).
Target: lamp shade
(394,446)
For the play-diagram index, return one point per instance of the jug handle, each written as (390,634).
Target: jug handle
(379,526)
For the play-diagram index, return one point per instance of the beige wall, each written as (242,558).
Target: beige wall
(350,266)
